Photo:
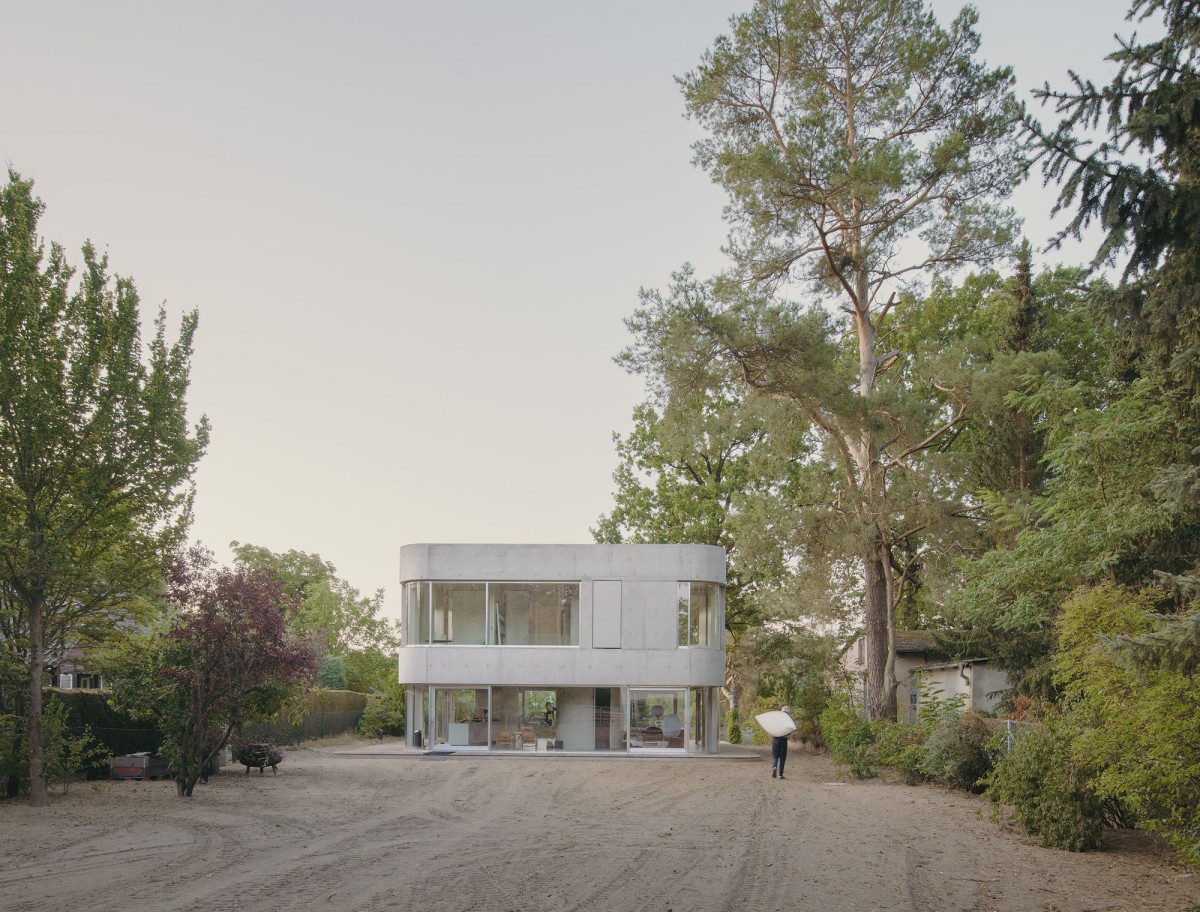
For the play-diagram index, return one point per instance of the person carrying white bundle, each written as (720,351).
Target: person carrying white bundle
(779,745)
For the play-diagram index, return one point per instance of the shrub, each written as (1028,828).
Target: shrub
(1051,795)
(384,711)
(1138,715)
(808,700)
(957,753)
(734,735)
(66,753)
(900,746)
(14,765)
(850,740)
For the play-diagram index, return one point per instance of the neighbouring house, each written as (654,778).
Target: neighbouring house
(592,648)
(73,670)
(924,671)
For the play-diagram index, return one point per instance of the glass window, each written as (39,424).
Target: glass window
(685,614)
(534,614)
(698,740)
(461,717)
(416,613)
(656,719)
(701,614)
(459,613)
(524,719)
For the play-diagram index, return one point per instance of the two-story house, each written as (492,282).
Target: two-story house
(616,648)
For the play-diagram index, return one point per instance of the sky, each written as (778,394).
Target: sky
(412,233)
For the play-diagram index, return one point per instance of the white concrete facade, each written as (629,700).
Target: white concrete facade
(622,655)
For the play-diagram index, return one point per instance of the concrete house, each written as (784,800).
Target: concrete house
(609,648)
(922,668)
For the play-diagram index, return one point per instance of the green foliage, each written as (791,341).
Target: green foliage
(851,741)
(69,749)
(1100,516)
(901,747)
(1139,186)
(957,753)
(734,732)
(225,659)
(333,673)
(384,711)
(14,758)
(791,666)
(954,747)
(1137,726)
(877,115)
(370,670)
(96,454)
(1049,791)
(945,746)
(325,606)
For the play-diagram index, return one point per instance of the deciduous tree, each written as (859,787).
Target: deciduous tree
(329,608)
(226,659)
(96,452)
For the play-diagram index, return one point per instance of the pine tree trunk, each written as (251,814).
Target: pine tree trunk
(881,698)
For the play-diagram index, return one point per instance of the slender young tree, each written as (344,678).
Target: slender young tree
(96,453)
(863,147)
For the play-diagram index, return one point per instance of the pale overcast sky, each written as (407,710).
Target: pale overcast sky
(412,232)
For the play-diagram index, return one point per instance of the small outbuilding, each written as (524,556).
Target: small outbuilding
(924,670)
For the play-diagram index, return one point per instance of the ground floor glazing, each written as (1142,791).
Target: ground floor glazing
(676,720)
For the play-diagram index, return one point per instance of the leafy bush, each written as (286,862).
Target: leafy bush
(65,753)
(384,711)
(1138,717)
(807,696)
(734,735)
(14,766)
(957,753)
(900,747)
(1051,795)
(851,741)
(369,671)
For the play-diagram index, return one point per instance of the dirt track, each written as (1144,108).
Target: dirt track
(336,833)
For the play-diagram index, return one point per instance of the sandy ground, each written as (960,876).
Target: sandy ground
(335,831)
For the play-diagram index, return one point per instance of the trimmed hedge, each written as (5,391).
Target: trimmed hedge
(327,712)
(115,730)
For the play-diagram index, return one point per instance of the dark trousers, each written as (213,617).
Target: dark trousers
(778,753)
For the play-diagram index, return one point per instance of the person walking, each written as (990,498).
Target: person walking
(779,748)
